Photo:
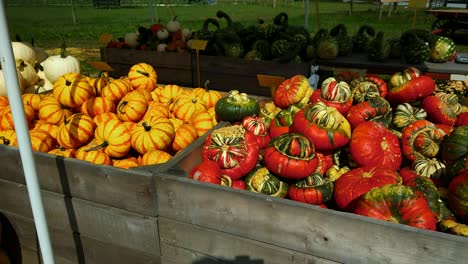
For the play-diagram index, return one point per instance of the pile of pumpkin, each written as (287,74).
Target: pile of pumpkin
(126,122)
(395,151)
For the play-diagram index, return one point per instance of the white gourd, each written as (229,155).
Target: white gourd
(3,89)
(58,65)
(25,52)
(28,72)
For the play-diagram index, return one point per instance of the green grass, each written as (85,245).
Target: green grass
(49,26)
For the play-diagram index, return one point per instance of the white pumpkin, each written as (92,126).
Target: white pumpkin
(58,65)
(23,51)
(3,89)
(162,47)
(43,85)
(186,34)
(131,39)
(162,34)
(173,25)
(28,72)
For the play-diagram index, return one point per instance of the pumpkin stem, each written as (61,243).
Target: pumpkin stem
(100,146)
(5,140)
(206,84)
(143,73)
(121,106)
(63,50)
(146,126)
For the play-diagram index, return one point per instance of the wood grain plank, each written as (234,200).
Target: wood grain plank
(116,226)
(100,252)
(338,236)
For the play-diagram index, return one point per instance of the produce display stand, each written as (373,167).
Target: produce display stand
(449,20)
(225,74)
(390,66)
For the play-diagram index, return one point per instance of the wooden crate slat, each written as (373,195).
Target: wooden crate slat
(338,236)
(99,252)
(116,226)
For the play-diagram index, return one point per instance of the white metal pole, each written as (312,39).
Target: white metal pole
(22,133)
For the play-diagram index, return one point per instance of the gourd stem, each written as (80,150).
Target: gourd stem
(146,126)
(121,106)
(143,73)
(206,84)
(63,50)
(100,146)
(6,141)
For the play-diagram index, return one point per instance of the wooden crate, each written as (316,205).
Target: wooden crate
(314,232)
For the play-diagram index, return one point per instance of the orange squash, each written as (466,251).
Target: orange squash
(64,152)
(7,137)
(202,122)
(6,117)
(126,163)
(157,109)
(72,89)
(97,105)
(76,131)
(98,119)
(113,137)
(116,89)
(155,156)
(210,97)
(32,99)
(99,82)
(41,140)
(94,156)
(168,94)
(132,107)
(176,122)
(52,112)
(4,101)
(184,136)
(187,105)
(52,129)
(153,133)
(143,76)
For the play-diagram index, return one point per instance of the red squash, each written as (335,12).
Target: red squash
(421,139)
(381,84)
(314,189)
(462,119)
(335,94)
(359,181)
(281,123)
(438,111)
(458,197)
(375,109)
(327,128)
(258,127)
(291,156)
(411,90)
(292,91)
(397,204)
(234,149)
(207,171)
(373,144)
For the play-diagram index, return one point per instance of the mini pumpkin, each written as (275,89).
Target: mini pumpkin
(76,131)
(132,107)
(143,76)
(72,90)
(153,133)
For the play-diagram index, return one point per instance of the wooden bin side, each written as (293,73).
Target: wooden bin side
(126,189)
(171,67)
(324,233)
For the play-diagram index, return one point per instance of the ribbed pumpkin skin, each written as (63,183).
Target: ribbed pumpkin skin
(32,100)
(115,138)
(75,131)
(260,180)
(421,139)
(184,136)
(97,105)
(4,101)
(99,119)
(156,108)
(202,121)
(52,129)
(132,107)
(72,89)
(187,105)
(210,97)
(126,163)
(168,94)
(41,140)
(155,157)
(154,133)
(94,156)
(291,91)
(6,117)
(98,83)
(456,145)
(314,189)
(116,90)
(405,114)
(66,153)
(143,76)
(52,112)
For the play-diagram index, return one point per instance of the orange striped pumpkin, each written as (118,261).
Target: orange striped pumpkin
(52,112)
(41,140)
(64,152)
(32,99)
(153,133)
(202,122)
(7,137)
(4,101)
(155,156)
(99,82)
(210,97)
(113,137)
(72,89)
(116,89)
(143,76)
(76,131)
(6,117)
(168,94)
(157,109)
(176,122)
(126,163)
(146,93)
(132,107)
(98,119)
(184,136)
(187,105)
(97,105)
(52,129)
(94,156)
(212,112)
(129,124)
